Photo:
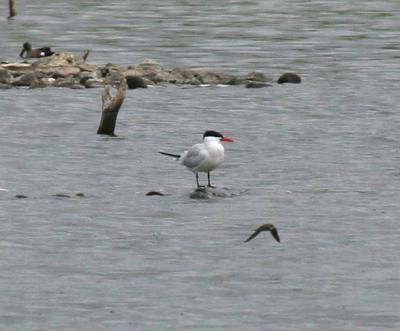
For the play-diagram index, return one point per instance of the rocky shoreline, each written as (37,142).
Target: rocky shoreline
(71,71)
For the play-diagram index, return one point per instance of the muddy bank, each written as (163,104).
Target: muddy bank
(71,71)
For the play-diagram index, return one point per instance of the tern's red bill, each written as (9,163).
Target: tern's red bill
(227,139)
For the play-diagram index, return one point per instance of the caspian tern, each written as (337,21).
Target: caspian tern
(204,157)
(265,227)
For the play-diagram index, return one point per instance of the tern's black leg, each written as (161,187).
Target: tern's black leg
(197,181)
(209,182)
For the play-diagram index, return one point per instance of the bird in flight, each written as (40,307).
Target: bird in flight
(265,227)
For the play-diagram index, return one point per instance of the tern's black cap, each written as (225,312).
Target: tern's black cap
(211,133)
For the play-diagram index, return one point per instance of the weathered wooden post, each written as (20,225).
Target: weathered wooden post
(85,55)
(111,104)
(11,4)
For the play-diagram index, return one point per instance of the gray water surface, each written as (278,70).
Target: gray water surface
(320,160)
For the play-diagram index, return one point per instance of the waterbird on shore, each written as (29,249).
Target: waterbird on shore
(265,227)
(34,52)
(203,157)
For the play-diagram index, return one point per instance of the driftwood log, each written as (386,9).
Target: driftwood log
(111,103)
(11,4)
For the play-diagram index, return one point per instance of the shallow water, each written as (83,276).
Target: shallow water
(320,160)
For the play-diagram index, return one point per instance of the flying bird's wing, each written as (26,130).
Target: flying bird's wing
(266,227)
(275,234)
(255,234)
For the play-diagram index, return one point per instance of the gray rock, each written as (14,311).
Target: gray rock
(89,75)
(60,59)
(69,82)
(113,76)
(60,71)
(200,193)
(92,83)
(289,77)
(17,67)
(5,76)
(136,82)
(28,79)
(210,192)
(77,87)
(214,78)
(87,67)
(256,77)
(48,81)
(154,72)
(252,84)
(69,70)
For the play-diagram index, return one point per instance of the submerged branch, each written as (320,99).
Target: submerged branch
(111,103)
(11,4)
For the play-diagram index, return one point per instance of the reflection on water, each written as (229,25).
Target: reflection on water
(87,249)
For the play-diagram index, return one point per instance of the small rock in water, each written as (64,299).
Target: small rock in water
(289,77)
(253,84)
(135,82)
(213,192)
(209,192)
(200,193)
(151,193)
(21,196)
(62,195)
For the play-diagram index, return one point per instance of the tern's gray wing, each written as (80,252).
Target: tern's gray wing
(193,157)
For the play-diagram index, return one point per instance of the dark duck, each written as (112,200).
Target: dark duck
(34,52)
